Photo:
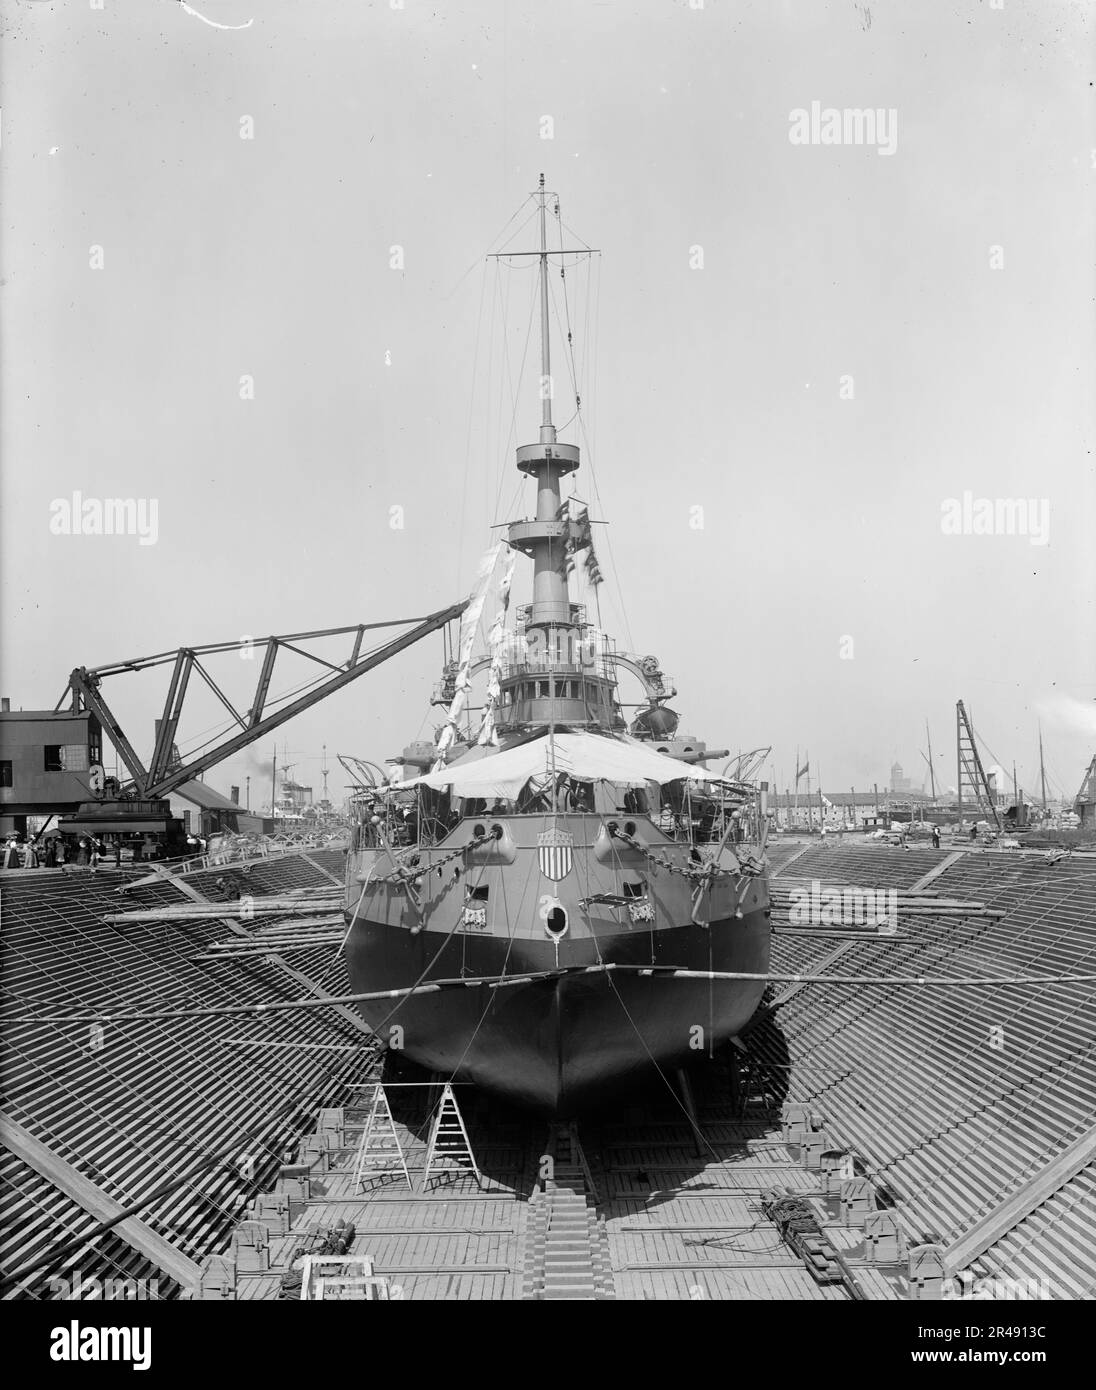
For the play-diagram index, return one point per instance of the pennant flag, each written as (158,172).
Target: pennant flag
(577,536)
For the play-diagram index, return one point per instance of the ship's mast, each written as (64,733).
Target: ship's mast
(932,772)
(565,690)
(1042,770)
(547,429)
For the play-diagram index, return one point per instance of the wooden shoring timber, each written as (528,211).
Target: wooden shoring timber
(244,909)
(326,872)
(97,1204)
(327,922)
(266,952)
(997,1223)
(322,995)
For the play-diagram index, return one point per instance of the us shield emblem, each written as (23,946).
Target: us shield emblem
(554,854)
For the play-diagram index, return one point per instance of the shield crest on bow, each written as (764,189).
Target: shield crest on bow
(554,854)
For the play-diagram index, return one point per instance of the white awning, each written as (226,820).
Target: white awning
(583,757)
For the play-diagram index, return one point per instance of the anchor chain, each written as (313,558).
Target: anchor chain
(404,874)
(702,872)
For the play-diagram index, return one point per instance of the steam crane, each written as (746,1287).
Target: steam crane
(141,804)
(973,784)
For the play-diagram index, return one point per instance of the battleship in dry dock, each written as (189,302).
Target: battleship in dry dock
(562,899)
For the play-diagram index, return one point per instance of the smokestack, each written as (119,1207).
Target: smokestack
(234,795)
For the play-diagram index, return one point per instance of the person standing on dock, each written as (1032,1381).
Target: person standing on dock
(11,854)
(936,837)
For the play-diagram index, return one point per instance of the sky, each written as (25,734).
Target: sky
(793,357)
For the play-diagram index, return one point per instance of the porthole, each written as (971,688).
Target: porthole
(555,924)
(479,832)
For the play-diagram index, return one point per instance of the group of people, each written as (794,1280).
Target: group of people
(54,851)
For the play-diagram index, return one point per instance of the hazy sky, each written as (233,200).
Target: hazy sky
(718,388)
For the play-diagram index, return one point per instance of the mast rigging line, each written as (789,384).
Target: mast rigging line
(533,976)
(468,438)
(514,389)
(479,259)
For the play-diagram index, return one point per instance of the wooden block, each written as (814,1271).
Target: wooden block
(295,1181)
(251,1247)
(882,1237)
(925,1264)
(333,1122)
(217,1279)
(315,1152)
(814,1145)
(795,1123)
(272,1209)
(857,1201)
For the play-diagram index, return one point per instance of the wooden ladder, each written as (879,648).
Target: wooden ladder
(380,1153)
(449,1150)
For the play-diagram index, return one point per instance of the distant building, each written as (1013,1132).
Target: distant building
(899,783)
(206,812)
(840,808)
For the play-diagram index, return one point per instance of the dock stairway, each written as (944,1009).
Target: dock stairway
(567,1253)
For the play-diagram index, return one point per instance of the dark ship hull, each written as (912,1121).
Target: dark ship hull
(562,1045)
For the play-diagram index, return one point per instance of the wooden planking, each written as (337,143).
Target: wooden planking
(739,1178)
(724,1285)
(455,1240)
(397,1217)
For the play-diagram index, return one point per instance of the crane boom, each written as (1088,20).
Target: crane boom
(163,775)
(972,775)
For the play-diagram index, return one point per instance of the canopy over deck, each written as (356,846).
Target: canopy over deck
(583,757)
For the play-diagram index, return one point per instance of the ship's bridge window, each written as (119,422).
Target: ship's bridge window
(544,690)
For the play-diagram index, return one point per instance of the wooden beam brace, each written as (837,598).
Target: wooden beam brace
(97,1204)
(234,926)
(1021,1204)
